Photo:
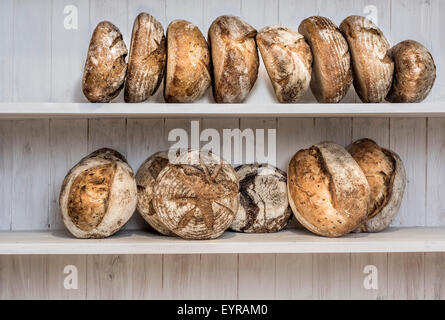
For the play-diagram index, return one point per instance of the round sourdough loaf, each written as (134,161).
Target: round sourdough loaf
(105,67)
(188,63)
(264,206)
(372,66)
(146,184)
(196,196)
(331,71)
(146,62)
(386,178)
(234,59)
(98,195)
(415,72)
(288,61)
(328,192)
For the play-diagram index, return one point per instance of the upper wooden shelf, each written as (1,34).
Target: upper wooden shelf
(92,110)
(288,241)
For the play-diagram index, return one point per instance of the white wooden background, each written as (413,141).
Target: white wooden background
(40,61)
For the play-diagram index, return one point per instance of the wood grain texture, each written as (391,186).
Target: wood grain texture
(294,276)
(256,276)
(338,130)
(331,276)
(107,133)
(358,274)
(219,276)
(191,10)
(435,276)
(56,277)
(6,173)
(438,48)
(376,129)
(406,276)
(215,8)
(181,278)
(6,51)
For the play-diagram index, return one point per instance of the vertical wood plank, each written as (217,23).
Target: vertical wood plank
(408,140)
(182,277)
(216,8)
(190,10)
(68,144)
(331,276)
(294,276)
(257,276)
(338,130)
(6,51)
(219,273)
(57,275)
(358,264)
(438,48)
(32,51)
(435,276)
(30,175)
(107,133)
(6,173)
(406,276)
(376,129)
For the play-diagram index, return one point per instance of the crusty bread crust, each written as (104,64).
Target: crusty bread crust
(288,61)
(415,72)
(105,66)
(372,66)
(147,58)
(234,58)
(188,63)
(331,71)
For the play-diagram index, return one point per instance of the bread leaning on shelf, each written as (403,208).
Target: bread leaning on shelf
(188,63)
(147,58)
(415,72)
(288,61)
(105,66)
(386,177)
(331,70)
(328,192)
(234,59)
(98,195)
(372,66)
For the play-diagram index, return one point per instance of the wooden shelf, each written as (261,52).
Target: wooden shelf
(92,110)
(288,241)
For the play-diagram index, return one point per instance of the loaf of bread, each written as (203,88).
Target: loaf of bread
(288,61)
(264,206)
(188,63)
(386,178)
(98,195)
(146,62)
(328,192)
(415,72)
(373,68)
(331,71)
(105,67)
(146,184)
(234,58)
(196,196)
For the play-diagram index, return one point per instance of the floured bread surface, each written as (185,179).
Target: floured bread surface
(331,70)
(146,184)
(288,61)
(98,195)
(372,66)
(415,72)
(147,59)
(105,67)
(386,177)
(234,58)
(188,64)
(328,192)
(197,196)
(264,206)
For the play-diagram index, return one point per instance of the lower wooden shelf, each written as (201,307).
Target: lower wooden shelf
(287,241)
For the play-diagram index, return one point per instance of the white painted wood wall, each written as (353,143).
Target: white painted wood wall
(40,61)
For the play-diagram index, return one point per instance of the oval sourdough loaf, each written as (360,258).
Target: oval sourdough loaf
(328,192)
(331,71)
(288,61)
(372,66)
(146,184)
(146,62)
(386,177)
(234,59)
(188,63)
(98,195)
(105,67)
(264,206)
(415,72)
(197,197)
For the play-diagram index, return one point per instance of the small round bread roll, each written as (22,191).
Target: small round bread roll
(146,62)
(146,184)
(105,67)
(98,195)
(234,59)
(331,71)
(415,72)
(197,197)
(372,66)
(264,206)
(288,61)
(387,179)
(328,192)
(188,63)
